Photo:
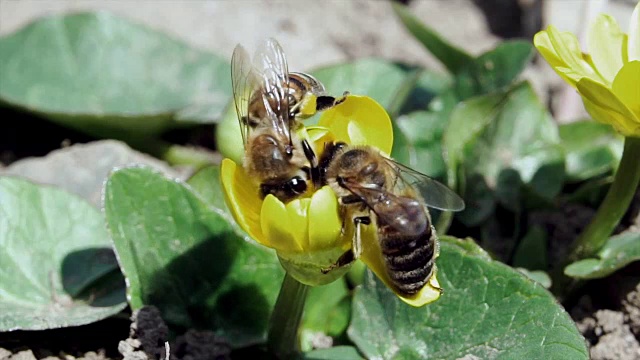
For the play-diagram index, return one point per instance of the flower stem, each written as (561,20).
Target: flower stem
(282,340)
(614,206)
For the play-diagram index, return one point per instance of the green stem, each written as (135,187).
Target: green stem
(596,234)
(282,339)
(614,206)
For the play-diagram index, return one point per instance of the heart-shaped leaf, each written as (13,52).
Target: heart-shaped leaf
(54,249)
(75,168)
(105,75)
(618,252)
(591,148)
(182,255)
(488,311)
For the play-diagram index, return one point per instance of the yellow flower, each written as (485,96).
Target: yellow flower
(306,233)
(607,78)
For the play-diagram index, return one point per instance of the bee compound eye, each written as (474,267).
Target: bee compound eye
(298,185)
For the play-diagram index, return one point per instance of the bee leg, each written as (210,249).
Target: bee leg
(344,259)
(356,250)
(347,200)
(357,239)
(314,171)
(309,154)
(350,199)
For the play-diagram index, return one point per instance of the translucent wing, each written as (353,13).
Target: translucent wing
(406,215)
(244,81)
(271,65)
(435,194)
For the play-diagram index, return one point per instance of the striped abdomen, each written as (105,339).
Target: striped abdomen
(410,260)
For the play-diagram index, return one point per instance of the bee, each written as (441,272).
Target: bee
(375,190)
(270,102)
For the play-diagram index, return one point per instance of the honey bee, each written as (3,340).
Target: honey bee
(373,189)
(270,102)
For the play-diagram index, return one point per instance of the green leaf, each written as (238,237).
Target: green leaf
(429,87)
(591,148)
(327,311)
(105,75)
(480,202)
(182,255)
(468,120)
(337,352)
(531,253)
(537,275)
(618,252)
(450,56)
(488,311)
(494,69)
(54,249)
(523,137)
(422,134)
(496,134)
(379,79)
(206,182)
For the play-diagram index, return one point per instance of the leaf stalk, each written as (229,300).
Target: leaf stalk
(282,338)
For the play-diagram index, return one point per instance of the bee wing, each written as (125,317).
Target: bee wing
(271,65)
(406,215)
(435,194)
(244,80)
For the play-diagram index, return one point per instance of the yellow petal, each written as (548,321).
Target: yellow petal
(284,227)
(319,136)
(605,107)
(605,46)
(360,120)
(242,198)
(569,75)
(372,257)
(325,223)
(545,48)
(298,221)
(626,87)
(315,133)
(633,42)
(542,42)
(567,48)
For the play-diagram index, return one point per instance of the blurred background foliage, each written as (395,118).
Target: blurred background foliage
(475,114)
